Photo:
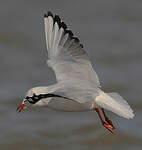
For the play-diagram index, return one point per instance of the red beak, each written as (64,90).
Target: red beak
(21,107)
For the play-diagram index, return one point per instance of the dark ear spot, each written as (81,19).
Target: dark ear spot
(33,99)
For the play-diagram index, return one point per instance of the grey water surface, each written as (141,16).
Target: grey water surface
(111,32)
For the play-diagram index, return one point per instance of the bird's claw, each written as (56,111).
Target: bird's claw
(109,127)
(109,122)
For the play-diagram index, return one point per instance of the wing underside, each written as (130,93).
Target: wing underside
(66,55)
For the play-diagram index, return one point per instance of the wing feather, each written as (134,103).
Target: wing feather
(66,54)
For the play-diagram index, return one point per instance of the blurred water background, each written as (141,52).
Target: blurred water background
(111,31)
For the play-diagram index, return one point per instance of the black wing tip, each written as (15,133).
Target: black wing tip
(81,45)
(69,32)
(57,19)
(49,14)
(61,24)
(46,15)
(76,39)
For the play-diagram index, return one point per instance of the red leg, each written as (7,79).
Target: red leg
(107,119)
(107,126)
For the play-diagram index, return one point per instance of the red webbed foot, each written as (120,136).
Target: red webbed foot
(109,127)
(109,122)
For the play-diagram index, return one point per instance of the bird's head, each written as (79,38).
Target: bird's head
(30,99)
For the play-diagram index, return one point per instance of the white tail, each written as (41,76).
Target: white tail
(115,103)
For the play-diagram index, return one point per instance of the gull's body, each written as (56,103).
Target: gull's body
(78,86)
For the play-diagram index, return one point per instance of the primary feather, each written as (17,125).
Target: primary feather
(66,54)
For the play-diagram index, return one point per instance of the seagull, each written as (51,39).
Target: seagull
(78,87)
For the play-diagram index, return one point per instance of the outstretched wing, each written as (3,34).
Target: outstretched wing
(66,55)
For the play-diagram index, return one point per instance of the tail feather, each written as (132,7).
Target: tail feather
(115,103)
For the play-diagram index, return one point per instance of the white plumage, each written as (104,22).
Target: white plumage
(78,86)
(73,68)
(115,103)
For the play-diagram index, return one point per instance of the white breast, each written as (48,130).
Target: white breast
(62,104)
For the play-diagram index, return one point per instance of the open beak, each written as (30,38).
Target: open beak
(21,107)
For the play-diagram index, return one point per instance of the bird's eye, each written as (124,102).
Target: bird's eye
(30,100)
